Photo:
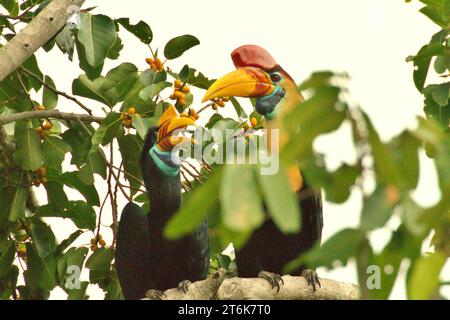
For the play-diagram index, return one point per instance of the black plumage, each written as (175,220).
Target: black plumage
(145,259)
(269,249)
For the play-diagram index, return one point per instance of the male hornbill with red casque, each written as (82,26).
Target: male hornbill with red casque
(269,250)
(145,259)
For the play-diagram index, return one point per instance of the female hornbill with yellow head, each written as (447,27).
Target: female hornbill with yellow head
(269,250)
(145,259)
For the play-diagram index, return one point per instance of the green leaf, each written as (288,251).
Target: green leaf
(49,97)
(17,208)
(114,52)
(119,82)
(385,166)
(78,294)
(66,42)
(340,247)
(7,256)
(29,152)
(84,87)
(338,189)
(424,279)
(151,91)
(67,242)
(96,163)
(283,205)
(54,151)
(412,217)
(130,148)
(376,210)
(100,259)
(240,198)
(11,5)
(402,246)
(40,273)
(89,192)
(177,46)
(141,30)
(238,108)
(82,214)
(405,151)
(193,212)
(110,128)
(56,196)
(43,238)
(143,124)
(441,94)
(97,34)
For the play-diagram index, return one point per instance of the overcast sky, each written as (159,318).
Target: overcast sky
(368,39)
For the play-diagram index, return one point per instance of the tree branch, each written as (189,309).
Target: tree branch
(294,288)
(37,33)
(47,114)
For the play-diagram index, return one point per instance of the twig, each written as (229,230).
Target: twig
(55,114)
(65,95)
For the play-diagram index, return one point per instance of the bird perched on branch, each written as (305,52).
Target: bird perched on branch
(259,76)
(145,259)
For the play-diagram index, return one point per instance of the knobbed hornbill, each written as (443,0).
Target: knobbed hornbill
(269,250)
(145,259)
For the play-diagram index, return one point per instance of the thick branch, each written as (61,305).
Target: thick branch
(49,114)
(294,288)
(37,33)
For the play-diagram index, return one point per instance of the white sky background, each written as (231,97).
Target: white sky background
(368,39)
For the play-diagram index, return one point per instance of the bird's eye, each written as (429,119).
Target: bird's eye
(275,77)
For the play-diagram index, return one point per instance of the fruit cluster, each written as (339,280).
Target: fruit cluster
(155,64)
(127,117)
(44,129)
(219,103)
(179,94)
(253,124)
(96,242)
(39,177)
(192,114)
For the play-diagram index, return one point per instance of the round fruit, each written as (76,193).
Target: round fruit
(40,108)
(150,61)
(182,102)
(246,127)
(177,84)
(132,111)
(186,89)
(41,171)
(221,103)
(47,125)
(254,122)
(94,247)
(102,243)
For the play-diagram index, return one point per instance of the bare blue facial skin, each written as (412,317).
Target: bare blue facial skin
(164,161)
(268,105)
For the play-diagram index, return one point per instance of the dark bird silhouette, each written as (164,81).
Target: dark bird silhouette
(269,250)
(145,259)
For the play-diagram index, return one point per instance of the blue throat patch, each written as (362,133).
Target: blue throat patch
(163,160)
(268,106)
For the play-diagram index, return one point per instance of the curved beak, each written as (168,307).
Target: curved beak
(168,124)
(244,82)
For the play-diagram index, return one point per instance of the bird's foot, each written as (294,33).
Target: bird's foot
(184,286)
(274,279)
(312,278)
(155,295)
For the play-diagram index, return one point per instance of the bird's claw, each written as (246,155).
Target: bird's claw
(184,286)
(312,278)
(275,280)
(155,295)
